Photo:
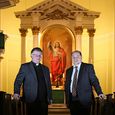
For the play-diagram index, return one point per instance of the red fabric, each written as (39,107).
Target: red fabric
(58,63)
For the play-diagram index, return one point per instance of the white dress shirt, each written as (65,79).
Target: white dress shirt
(72,77)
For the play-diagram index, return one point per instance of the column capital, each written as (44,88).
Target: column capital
(91,32)
(1,58)
(23,32)
(35,30)
(78,30)
(1,52)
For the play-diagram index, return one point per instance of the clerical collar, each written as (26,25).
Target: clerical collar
(35,64)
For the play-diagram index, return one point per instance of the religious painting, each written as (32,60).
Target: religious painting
(57,57)
(57,47)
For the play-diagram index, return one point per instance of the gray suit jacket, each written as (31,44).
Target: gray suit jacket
(86,79)
(27,78)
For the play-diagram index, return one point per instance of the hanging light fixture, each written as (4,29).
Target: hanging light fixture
(2,40)
(8,3)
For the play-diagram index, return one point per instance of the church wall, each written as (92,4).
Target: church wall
(103,42)
(104,47)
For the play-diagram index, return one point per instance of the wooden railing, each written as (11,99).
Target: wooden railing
(12,107)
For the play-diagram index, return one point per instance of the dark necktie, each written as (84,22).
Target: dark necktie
(74,85)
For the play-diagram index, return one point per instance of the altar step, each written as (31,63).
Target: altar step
(58,109)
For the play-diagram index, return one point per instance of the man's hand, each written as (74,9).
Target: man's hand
(102,96)
(50,102)
(16,96)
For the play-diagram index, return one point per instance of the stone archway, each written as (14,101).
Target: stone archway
(57,33)
(61,34)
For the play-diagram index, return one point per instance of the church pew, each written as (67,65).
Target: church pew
(13,107)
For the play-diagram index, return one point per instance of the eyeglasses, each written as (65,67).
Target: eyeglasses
(75,57)
(36,55)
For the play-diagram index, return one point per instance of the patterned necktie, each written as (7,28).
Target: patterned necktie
(74,85)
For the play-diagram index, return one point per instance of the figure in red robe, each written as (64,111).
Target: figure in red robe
(58,63)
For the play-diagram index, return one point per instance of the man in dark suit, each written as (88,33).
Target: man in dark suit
(35,79)
(78,86)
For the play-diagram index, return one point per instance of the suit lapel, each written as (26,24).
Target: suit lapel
(32,70)
(70,74)
(80,71)
(45,73)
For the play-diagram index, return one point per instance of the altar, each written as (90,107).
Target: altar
(58,95)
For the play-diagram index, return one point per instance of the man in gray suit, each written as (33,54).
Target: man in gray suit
(34,77)
(78,86)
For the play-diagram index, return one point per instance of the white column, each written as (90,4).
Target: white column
(78,31)
(23,44)
(35,31)
(91,45)
(113,73)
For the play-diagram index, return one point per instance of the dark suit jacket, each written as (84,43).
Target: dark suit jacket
(27,77)
(86,79)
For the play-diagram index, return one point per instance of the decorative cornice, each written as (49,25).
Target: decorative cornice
(57,15)
(57,9)
(47,4)
(23,32)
